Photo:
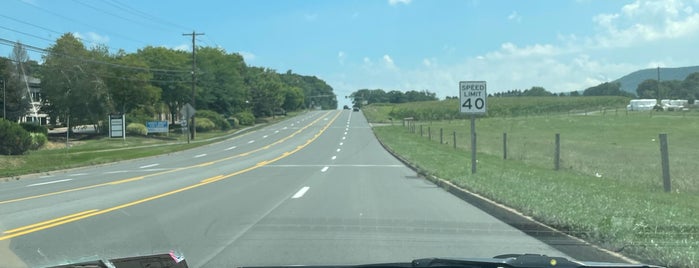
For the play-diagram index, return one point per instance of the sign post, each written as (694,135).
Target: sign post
(187,112)
(472,99)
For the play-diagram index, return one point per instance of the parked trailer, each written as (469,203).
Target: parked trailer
(641,105)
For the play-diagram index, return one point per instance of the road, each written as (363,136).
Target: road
(314,189)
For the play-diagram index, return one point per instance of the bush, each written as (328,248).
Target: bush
(234,122)
(218,119)
(35,128)
(203,124)
(136,129)
(38,140)
(245,118)
(14,140)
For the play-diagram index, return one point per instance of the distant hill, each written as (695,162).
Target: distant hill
(630,81)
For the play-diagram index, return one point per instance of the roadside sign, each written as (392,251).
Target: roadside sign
(117,128)
(187,111)
(472,97)
(157,126)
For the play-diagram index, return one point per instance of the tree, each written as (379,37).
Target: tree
(16,91)
(172,78)
(691,84)
(647,89)
(71,82)
(265,91)
(293,98)
(536,91)
(220,81)
(130,87)
(607,89)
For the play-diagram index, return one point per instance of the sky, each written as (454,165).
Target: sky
(389,44)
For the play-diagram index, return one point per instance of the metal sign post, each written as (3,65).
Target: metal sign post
(472,99)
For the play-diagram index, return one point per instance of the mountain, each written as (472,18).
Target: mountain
(630,81)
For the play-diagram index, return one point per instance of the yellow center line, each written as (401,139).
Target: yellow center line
(48,221)
(90,213)
(162,172)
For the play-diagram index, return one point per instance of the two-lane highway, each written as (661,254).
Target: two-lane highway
(314,189)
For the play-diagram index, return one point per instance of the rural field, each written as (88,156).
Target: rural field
(609,188)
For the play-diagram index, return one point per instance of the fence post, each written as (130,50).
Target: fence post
(420,130)
(454,139)
(504,145)
(557,153)
(429,133)
(664,156)
(441,136)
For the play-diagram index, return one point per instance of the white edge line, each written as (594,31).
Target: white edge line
(301,192)
(149,166)
(48,182)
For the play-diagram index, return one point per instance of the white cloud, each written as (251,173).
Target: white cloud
(396,2)
(183,47)
(388,61)
(426,62)
(341,56)
(646,21)
(247,56)
(92,38)
(514,16)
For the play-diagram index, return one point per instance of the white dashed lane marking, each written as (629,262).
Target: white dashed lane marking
(48,182)
(301,192)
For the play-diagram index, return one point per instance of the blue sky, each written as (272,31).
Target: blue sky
(391,44)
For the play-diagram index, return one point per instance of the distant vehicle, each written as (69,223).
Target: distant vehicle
(641,105)
(345,107)
(356,109)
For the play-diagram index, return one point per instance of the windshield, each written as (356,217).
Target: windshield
(251,133)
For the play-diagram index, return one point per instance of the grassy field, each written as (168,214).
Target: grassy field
(609,190)
(92,151)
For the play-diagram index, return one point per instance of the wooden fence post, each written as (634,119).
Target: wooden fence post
(504,145)
(665,159)
(557,153)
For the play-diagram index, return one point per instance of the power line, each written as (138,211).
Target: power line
(107,12)
(27,34)
(46,52)
(79,22)
(142,14)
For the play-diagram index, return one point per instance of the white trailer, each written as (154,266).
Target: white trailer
(641,105)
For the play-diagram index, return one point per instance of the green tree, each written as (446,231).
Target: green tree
(265,91)
(607,89)
(170,71)
(647,89)
(71,82)
(220,82)
(130,87)
(691,84)
(293,98)
(536,92)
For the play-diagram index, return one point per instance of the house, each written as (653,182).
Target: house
(34,115)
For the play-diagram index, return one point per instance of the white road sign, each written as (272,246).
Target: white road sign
(472,97)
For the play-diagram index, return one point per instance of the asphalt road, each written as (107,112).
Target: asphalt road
(313,189)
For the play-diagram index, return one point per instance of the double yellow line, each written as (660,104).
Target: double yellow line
(164,172)
(94,212)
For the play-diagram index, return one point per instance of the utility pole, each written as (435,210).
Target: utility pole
(194,78)
(658,84)
(4,100)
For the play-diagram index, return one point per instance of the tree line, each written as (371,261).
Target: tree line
(368,96)
(87,84)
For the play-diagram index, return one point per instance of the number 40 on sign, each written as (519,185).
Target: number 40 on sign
(472,96)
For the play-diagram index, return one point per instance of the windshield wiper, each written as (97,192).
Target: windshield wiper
(501,261)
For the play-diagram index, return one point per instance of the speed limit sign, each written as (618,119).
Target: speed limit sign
(472,97)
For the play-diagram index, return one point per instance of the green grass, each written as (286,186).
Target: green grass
(624,209)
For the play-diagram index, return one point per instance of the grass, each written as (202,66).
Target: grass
(624,210)
(100,150)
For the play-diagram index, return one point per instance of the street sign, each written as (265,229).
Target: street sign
(187,111)
(472,97)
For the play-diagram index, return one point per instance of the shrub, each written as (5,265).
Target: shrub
(245,118)
(35,128)
(38,140)
(203,124)
(218,119)
(14,140)
(136,129)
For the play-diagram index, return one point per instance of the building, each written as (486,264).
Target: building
(34,115)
